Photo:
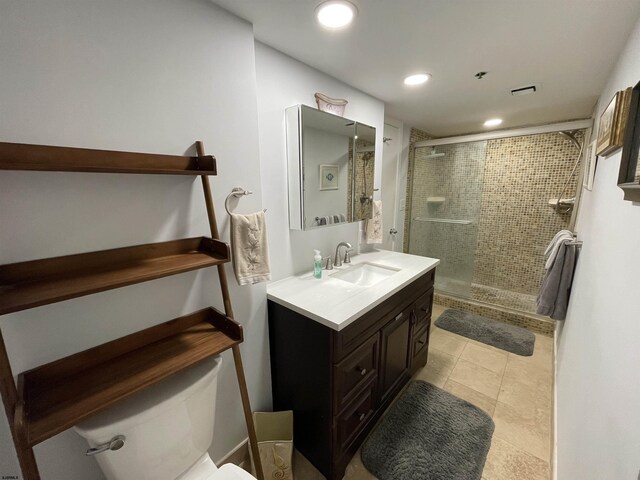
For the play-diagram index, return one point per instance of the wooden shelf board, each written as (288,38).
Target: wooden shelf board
(58,395)
(40,282)
(19,156)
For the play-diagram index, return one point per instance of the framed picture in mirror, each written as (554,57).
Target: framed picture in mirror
(329,177)
(629,176)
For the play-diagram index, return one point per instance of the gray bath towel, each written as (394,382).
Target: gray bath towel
(553,298)
(249,248)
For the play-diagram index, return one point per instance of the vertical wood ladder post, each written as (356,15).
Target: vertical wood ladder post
(237,358)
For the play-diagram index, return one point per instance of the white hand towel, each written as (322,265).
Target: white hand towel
(374,225)
(249,248)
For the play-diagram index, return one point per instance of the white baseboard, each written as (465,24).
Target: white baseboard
(554,446)
(238,456)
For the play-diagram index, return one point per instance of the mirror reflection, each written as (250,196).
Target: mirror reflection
(325,151)
(331,168)
(363,171)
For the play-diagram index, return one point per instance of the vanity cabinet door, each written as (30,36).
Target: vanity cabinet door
(395,352)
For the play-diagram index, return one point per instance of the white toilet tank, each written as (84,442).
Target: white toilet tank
(167,427)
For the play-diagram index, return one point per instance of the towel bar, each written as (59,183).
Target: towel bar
(237,192)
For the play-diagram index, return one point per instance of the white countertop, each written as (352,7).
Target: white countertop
(336,303)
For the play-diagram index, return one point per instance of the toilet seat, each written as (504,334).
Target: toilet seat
(230,471)
(205,469)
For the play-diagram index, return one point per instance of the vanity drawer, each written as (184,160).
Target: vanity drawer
(424,306)
(420,349)
(355,418)
(354,372)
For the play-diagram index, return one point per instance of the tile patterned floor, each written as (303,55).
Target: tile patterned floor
(516,391)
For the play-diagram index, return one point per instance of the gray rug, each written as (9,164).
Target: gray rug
(429,434)
(513,339)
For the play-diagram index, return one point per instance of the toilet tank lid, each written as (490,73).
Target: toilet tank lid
(148,402)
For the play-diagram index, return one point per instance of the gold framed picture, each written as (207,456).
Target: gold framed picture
(612,122)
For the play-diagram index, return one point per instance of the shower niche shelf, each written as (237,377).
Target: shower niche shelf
(40,282)
(56,396)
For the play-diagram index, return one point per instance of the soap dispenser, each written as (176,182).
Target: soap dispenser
(317,264)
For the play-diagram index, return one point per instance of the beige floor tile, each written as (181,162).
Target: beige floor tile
(541,356)
(436,311)
(487,358)
(447,342)
(529,372)
(441,362)
(543,342)
(506,462)
(476,377)
(526,428)
(470,395)
(427,374)
(519,394)
(356,470)
(303,469)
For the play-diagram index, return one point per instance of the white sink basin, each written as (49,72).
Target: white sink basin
(365,274)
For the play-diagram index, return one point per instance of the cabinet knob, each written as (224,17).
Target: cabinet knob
(363,371)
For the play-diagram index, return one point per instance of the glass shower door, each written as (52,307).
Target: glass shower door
(445,206)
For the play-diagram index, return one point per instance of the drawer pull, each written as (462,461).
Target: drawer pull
(363,371)
(399,316)
(424,309)
(421,342)
(361,416)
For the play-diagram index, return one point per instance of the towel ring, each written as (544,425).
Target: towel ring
(237,192)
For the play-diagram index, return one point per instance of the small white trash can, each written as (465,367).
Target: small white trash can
(274,431)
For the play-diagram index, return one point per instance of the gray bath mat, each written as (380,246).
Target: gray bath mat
(429,434)
(513,339)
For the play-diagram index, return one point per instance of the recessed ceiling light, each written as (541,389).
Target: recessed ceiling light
(417,79)
(335,14)
(493,122)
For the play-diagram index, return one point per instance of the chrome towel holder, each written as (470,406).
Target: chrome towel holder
(237,192)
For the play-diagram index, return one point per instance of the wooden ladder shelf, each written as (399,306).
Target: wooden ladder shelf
(53,397)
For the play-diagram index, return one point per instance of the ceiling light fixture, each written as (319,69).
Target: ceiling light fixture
(335,14)
(493,122)
(417,79)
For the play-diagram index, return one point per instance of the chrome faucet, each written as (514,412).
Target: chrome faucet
(338,261)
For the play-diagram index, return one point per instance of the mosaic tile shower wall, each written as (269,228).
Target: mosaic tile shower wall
(516,223)
(505,195)
(414,136)
(364,176)
(445,207)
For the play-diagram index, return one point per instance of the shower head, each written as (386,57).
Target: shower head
(433,154)
(571,135)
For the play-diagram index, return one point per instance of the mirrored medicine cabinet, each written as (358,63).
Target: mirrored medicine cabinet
(331,165)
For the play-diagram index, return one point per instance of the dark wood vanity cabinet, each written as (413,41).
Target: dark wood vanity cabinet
(338,383)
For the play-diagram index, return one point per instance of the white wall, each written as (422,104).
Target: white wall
(598,384)
(283,82)
(150,76)
(390,188)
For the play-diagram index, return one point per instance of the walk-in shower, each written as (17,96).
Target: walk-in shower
(481,205)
